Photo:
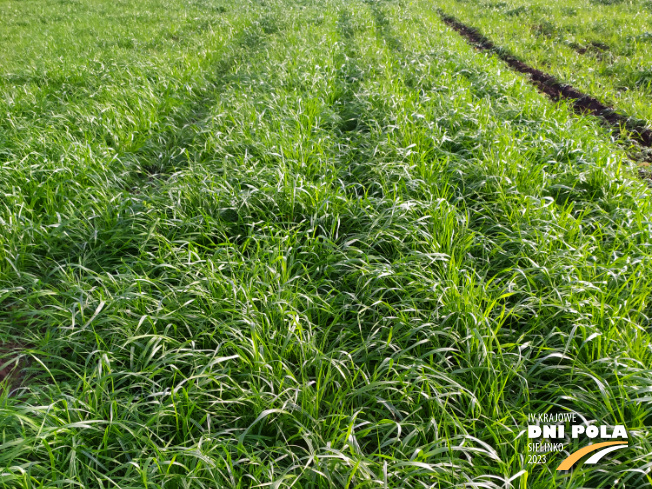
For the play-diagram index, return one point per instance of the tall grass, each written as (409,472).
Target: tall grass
(314,244)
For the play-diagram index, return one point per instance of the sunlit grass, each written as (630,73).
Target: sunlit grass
(313,245)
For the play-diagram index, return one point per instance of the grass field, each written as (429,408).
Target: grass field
(305,244)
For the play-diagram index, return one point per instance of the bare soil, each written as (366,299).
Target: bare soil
(597,49)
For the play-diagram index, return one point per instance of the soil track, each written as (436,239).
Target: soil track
(549,85)
(597,49)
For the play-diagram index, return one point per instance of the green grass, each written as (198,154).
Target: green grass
(602,47)
(305,244)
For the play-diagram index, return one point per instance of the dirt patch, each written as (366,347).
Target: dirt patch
(600,46)
(549,85)
(597,49)
(580,49)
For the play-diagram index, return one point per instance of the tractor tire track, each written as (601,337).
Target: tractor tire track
(553,88)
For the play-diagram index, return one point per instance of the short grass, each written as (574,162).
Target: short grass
(603,47)
(305,244)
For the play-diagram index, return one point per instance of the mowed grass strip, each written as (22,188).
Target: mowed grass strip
(358,258)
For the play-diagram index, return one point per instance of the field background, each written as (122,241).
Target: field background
(313,244)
